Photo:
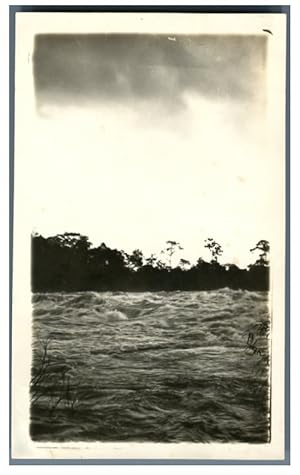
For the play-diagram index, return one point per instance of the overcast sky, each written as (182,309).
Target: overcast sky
(145,138)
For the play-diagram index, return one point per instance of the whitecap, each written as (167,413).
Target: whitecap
(115,316)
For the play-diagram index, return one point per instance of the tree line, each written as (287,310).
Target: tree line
(69,262)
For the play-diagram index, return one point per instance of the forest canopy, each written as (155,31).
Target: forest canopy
(69,262)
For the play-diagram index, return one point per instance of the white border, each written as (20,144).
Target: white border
(295,239)
(27,26)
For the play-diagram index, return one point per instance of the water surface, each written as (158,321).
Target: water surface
(161,367)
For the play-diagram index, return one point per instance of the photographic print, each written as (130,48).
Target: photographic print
(149,235)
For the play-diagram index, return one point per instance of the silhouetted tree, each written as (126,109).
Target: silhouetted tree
(60,261)
(215,249)
(155,262)
(172,247)
(200,262)
(258,273)
(183,263)
(152,260)
(263,247)
(136,259)
(74,241)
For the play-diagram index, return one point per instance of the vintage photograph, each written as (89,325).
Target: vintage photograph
(154,209)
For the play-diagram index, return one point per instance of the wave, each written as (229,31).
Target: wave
(165,366)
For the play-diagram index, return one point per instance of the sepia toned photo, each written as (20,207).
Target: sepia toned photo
(148,313)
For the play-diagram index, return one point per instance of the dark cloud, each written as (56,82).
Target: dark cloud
(155,67)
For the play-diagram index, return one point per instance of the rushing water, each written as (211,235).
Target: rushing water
(162,367)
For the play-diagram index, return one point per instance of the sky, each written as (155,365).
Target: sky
(142,139)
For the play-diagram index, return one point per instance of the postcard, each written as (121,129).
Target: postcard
(148,314)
